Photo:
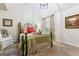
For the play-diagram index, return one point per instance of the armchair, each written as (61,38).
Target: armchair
(5,41)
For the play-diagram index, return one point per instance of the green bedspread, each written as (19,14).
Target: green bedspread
(37,41)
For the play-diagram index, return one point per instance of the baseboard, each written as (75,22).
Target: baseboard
(68,43)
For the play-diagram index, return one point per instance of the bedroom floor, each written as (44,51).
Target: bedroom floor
(10,51)
(59,49)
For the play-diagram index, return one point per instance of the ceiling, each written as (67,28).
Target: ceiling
(52,6)
(61,6)
(64,6)
(10,6)
(3,6)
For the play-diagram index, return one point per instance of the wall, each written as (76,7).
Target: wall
(17,15)
(24,14)
(69,36)
(58,26)
(32,13)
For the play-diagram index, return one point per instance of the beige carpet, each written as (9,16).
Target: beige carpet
(59,49)
(10,51)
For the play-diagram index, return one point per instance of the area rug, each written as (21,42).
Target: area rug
(10,51)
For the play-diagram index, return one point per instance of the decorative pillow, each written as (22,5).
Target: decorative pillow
(4,33)
(0,34)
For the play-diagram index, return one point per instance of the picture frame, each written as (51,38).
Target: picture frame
(72,22)
(7,22)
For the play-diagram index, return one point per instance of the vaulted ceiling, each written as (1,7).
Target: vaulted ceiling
(3,6)
(54,7)
(64,6)
(61,6)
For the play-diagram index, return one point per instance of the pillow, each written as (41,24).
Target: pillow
(4,33)
(0,35)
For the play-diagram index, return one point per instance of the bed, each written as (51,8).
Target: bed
(37,42)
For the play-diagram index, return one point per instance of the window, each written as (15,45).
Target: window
(44,5)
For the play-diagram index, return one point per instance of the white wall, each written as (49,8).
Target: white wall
(69,36)
(24,14)
(32,13)
(58,26)
(17,15)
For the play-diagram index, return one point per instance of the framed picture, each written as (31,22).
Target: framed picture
(7,22)
(72,22)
